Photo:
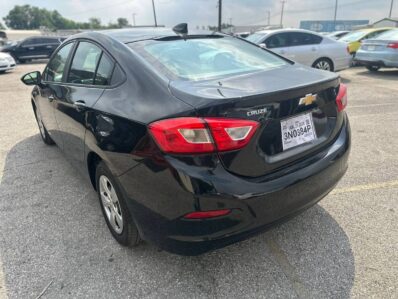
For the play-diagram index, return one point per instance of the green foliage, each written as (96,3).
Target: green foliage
(31,17)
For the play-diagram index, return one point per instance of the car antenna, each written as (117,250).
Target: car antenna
(181,30)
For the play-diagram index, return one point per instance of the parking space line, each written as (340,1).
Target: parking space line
(3,290)
(287,268)
(372,186)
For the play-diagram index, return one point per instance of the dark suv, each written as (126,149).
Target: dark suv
(38,47)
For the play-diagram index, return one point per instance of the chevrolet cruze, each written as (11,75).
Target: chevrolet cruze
(193,141)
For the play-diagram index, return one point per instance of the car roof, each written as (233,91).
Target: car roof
(374,29)
(268,31)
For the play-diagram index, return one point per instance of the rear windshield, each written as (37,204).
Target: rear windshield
(389,35)
(206,58)
(354,36)
(256,37)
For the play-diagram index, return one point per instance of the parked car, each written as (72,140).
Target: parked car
(192,141)
(7,63)
(37,47)
(381,51)
(305,47)
(337,34)
(355,38)
(3,38)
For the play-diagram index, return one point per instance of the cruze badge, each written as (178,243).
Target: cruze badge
(308,99)
(257,112)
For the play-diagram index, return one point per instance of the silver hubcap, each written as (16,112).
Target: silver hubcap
(40,124)
(111,204)
(323,65)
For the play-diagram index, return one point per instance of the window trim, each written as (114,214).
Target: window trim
(68,64)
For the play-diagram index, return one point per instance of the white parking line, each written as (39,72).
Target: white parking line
(3,290)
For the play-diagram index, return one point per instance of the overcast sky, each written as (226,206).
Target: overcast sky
(204,12)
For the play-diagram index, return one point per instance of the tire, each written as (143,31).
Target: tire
(42,129)
(373,68)
(323,64)
(114,208)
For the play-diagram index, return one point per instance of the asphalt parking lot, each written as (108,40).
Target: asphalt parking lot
(53,237)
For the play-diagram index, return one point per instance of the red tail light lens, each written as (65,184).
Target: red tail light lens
(207,214)
(190,135)
(393,45)
(341,98)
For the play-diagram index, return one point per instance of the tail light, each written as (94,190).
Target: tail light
(393,45)
(341,98)
(191,135)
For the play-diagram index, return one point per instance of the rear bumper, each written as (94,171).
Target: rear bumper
(377,59)
(256,204)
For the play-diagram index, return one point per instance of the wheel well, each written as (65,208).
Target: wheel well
(325,58)
(92,161)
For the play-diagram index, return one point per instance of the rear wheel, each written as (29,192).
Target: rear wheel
(43,131)
(323,64)
(114,208)
(373,68)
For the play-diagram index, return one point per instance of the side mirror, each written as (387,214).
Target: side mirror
(263,45)
(32,78)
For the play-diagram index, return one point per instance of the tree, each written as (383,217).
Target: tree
(95,23)
(2,26)
(122,22)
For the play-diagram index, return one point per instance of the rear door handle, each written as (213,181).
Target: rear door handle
(51,98)
(80,105)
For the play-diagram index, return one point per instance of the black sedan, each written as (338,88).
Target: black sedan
(193,141)
(38,47)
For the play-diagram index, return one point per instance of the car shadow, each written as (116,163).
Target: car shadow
(53,231)
(383,73)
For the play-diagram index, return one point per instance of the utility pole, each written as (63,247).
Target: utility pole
(134,14)
(219,14)
(392,5)
(335,15)
(268,17)
(154,13)
(283,8)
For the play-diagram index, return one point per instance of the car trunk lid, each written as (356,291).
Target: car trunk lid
(271,98)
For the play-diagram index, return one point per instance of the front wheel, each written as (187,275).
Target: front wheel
(323,64)
(373,68)
(114,208)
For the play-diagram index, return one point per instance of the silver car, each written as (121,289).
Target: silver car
(305,47)
(381,51)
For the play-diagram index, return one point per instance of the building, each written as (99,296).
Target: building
(331,25)
(386,22)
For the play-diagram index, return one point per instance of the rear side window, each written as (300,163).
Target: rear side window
(56,66)
(84,64)
(302,39)
(278,40)
(389,35)
(104,71)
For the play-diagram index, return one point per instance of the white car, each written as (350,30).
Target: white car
(6,62)
(305,47)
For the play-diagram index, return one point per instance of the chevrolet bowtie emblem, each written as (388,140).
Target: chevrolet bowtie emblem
(308,99)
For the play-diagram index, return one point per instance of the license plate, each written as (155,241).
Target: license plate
(297,130)
(371,48)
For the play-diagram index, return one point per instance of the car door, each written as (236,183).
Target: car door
(279,43)
(51,89)
(27,49)
(88,75)
(304,47)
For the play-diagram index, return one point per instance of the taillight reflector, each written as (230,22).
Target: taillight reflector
(341,99)
(393,45)
(190,135)
(207,214)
